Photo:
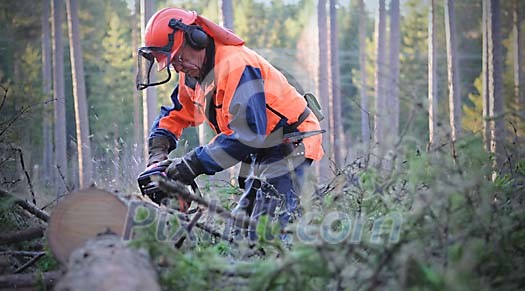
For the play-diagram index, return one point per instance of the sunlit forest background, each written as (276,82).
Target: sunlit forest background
(425,116)
(285,32)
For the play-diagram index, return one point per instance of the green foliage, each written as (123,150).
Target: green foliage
(278,24)
(434,222)
(110,79)
(473,114)
(47,263)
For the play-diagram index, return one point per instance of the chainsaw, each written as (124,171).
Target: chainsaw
(148,187)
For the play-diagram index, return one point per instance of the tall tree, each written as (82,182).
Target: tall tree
(138,137)
(519,76)
(339,137)
(432,77)
(60,157)
(149,95)
(393,76)
(495,84)
(365,124)
(47,126)
(322,79)
(227,14)
(453,71)
(79,96)
(485,78)
(380,74)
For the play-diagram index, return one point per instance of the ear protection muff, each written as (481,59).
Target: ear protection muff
(196,37)
(193,34)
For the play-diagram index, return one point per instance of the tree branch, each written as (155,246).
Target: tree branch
(10,122)
(63,181)
(29,263)
(31,208)
(20,253)
(21,154)
(172,187)
(5,96)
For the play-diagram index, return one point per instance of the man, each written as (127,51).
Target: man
(258,117)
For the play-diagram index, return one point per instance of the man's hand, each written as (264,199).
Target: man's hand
(185,169)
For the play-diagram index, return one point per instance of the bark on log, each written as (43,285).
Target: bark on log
(21,235)
(106,263)
(27,280)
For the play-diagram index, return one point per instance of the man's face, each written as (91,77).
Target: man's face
(189,61)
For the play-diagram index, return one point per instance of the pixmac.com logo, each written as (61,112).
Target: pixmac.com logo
(337,227)
(311,228)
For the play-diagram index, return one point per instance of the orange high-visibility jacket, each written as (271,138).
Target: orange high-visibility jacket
(246,101)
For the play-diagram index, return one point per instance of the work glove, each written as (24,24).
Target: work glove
(155,167)
(159,148)
(185,169)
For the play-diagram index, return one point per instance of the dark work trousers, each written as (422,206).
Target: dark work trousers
(275,180)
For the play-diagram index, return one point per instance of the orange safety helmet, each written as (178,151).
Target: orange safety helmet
(164,35)
(158,30)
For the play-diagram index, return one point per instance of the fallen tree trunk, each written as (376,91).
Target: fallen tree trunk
(85,234)
(106,263)
(21,235)
(47,279)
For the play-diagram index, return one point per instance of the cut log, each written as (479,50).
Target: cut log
(85,234)
(81,216)
(106,263)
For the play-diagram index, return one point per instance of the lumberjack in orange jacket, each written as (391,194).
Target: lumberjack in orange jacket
(249,104)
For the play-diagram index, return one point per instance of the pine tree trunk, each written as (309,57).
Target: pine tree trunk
(149,95)
(227,14)
(495,84)
(60,157)
(339,136)
(453,71)
(138,137)
(47,124)
(393,91)
(365,116)
(79,94)
(519,77)
(432,78)
(380,73)
(485,78)
(322,76)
